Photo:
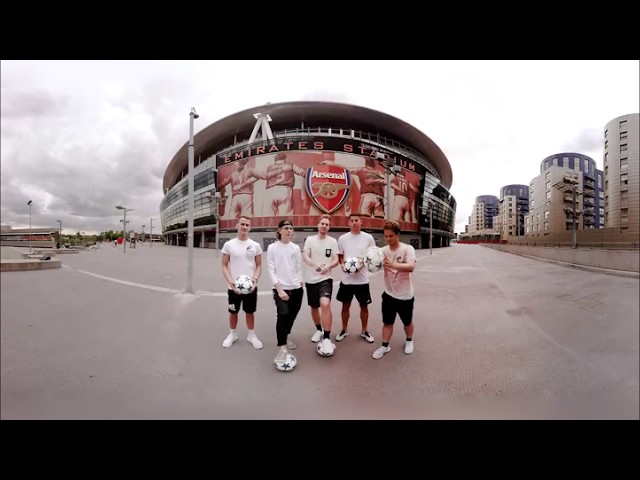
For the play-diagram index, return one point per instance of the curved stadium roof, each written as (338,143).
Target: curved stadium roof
(289,115)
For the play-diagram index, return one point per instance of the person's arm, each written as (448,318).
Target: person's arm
(258,271)
(334,261)
(306,258)
(408,266)
(271,267)
(227,273)
(298,266)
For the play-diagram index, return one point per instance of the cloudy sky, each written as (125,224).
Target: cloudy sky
(79,137)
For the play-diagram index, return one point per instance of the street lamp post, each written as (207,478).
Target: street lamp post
(570,183)
(430,228)
(192,116)
(124,222)
(143,233)
(30,237)
(518,224)
(151,233)
(59,233)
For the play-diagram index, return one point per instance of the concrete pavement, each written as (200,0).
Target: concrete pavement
(109,335)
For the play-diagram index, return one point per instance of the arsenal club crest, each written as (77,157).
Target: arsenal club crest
(328,186)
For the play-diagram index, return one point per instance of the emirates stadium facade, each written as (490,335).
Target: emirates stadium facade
(300,160)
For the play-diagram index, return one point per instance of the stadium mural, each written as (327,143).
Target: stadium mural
(305,179)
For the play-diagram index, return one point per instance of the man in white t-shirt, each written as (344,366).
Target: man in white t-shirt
(320,255)
(284,264)
(397,299)
(242,256)
(354,244)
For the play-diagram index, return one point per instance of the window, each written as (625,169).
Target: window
(599,181)
(546,225)
(624,195)
(623,136)
(623,124)
(548,175)
(601,212)
(549,194)
(586,166)
(606,133)
(623,147)
(546,215)
(548,185)
(624,165)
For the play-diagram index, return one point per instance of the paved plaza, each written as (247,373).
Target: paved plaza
(111,335)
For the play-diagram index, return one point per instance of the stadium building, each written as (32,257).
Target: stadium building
(299,160)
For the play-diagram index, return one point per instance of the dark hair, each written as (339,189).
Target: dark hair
(281,224)
(354,214)
(394,226)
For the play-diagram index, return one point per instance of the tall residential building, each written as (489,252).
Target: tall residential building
(551,205)
(482,215)
(514,206)
(622,174)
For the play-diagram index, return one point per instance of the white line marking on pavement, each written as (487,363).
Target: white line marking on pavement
(200,293)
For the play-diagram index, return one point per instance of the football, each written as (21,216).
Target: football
(244,284)
(322,353)
(289,363)
(373,259)
(351,265)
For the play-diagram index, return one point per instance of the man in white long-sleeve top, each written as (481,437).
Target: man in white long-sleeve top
(284,264)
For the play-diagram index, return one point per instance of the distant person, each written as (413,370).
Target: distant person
(397,299)
(320,255)
(354,244)
(242,256)
(284,264)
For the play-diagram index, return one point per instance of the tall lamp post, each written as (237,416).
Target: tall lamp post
(143,233)
(570,184)
(518,224)
(151,233)
(124,222)
(59,233)
(430,228)
(30,237)
(192,116)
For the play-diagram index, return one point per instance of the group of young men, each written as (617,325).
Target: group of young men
(290,270)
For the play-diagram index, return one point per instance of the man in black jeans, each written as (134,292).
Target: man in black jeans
(284,264)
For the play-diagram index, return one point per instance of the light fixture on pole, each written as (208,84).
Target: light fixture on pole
(124,222)
(29,203)
(143,233)
(151,233)
(192,116)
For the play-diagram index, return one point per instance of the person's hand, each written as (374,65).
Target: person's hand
(254,281)
(325,269)
(283,295)
(388,263)
(319,267)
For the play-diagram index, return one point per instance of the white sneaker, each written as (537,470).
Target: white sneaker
(255,341)
(327,348)
(281,356)
(367,336)
(408,347)
(291,345)
(231,338)
(380,351)
(341,335)
(316,337)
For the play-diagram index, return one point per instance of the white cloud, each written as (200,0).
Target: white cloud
(80,137)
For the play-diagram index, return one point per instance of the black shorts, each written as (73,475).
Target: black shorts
(317,290)
(248,301)
(362,293)
(392,306)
